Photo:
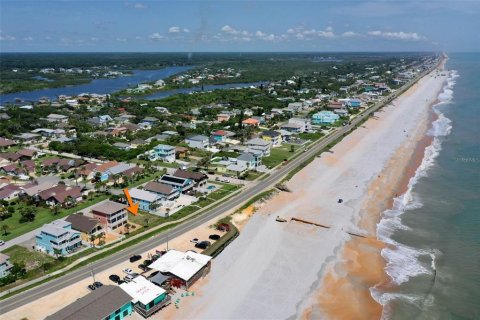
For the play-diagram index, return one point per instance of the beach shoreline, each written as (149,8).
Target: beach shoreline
(309,256)
(361,263)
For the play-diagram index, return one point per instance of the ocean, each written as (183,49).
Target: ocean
(433,229)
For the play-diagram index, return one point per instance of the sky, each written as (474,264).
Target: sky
(245,26)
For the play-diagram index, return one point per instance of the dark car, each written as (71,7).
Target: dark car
(214,237)
(114,278)
(135,258)
(97,284)
(143,267)
(203,245)
(91,287)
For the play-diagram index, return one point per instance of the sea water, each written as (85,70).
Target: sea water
(433,229)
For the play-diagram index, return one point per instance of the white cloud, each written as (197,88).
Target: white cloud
(138,38)
(228,29)
(260,34)
(350,34)
(156,36)
(186,30)
(140,6)
(28,39)
(405,36)
(94,39)
(291,31)
(6,37)
(174,29)
(122,39)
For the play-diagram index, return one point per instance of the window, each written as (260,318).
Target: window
(125,313)
(117,311)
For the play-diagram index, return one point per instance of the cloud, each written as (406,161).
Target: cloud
(139,6)
(350,34)
(228,29)
(186,30)
(94,39)
(156,36)
(6,37)
(174,29)
(28,39)
(405,36)
(122,39)
(138,38)
(309,34)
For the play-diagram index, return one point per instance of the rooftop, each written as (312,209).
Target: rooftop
(142,290)
(96,305)
(109,207)
(181,264)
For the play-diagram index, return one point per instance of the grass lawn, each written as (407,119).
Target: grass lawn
(44,215)
(278,154)
(253,175)
(147,178)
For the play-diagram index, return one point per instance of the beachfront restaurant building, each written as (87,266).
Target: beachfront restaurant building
(147,298)
(104,303)
(185,267)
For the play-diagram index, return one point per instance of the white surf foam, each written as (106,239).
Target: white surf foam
(402,260)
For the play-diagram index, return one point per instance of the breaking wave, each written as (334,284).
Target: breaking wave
(403,261)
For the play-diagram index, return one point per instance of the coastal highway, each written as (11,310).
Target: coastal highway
(83,272)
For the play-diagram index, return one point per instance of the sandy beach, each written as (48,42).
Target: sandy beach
(298,270)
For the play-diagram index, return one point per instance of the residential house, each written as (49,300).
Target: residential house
(273,137)
(115,171)
(187,267)
(137,143)
(27,154)
(183,185)
(247,159)
(28,137)
(251,122)
(150,120)
(324,117)
(198,141)
(9,192)
(237,170)
(122,146)
(257,144)
(88,226)
(61,195)
(147,201)
(219,136)
(162,152)
(6,143)
(181,152)
(106,302)
(223,117)
(164,191)
(198,178)
(5,265)
(147,298)
(57,118)
(110,214)
(58,238)
(336,105)
(305,124)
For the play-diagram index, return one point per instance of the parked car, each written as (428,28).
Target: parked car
(135,258)
(130,277)
(194,240)
(128,271)
(144,267)
(97,284)
(91,287)
(203,245)
(114,278)
(147,262)
(214,237)
(2,243)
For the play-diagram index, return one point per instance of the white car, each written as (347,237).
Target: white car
(2,243)
(130,277)
(128,271)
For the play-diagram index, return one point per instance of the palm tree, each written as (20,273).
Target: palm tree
(127,228)
(92,239)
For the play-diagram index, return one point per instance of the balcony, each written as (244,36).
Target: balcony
(147,313)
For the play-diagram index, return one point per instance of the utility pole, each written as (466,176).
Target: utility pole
(93,274)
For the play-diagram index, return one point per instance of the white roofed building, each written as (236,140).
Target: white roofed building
(147,298)
(188,266)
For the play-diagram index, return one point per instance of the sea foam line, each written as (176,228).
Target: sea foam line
(402,260)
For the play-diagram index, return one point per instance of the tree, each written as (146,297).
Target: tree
(55,209)
(92,239)
(57,252)
(5,229)
(127,228)
(292,148)
(28,214)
